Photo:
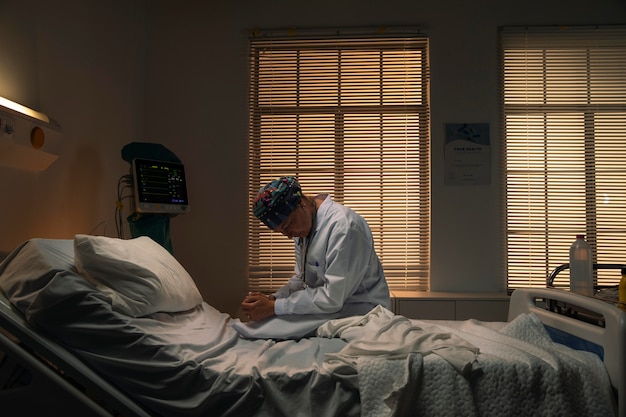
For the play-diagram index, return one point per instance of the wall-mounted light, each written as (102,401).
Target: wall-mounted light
(29,139)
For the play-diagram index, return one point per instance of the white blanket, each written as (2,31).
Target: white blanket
(380,348)
(526,373)
(519,370)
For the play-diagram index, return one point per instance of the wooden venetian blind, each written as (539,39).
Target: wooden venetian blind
(564,121)
(349,116)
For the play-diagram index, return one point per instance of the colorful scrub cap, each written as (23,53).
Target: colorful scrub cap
(277,200)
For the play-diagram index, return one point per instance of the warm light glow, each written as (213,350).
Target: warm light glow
(23,109)
(565,122)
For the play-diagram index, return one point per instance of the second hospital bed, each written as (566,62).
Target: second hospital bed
(65,349)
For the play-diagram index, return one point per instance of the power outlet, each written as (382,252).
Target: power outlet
(7,127)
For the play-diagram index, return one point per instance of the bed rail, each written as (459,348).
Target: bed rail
(563,267)
(53,370)
(609,332)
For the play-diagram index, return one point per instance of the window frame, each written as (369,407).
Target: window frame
(271,256)
(584,99)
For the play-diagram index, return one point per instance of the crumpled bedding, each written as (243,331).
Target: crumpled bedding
(194,363)
(518,370)
(529,370)
(385,334)
(386,352)
(190,363)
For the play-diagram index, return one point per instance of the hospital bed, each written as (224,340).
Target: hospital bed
(66,348)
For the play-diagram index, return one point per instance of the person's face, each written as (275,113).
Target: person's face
(298,224)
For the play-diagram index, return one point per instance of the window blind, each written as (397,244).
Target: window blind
(348,116)
(564,123)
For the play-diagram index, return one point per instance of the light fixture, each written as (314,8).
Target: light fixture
(29,140)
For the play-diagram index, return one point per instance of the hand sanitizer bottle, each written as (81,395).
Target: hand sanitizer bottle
(581,267)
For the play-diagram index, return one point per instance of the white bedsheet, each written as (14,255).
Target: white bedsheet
(382,333)
(190,363)
(381,349)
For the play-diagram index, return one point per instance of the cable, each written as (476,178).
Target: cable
(102,223)
(123,184)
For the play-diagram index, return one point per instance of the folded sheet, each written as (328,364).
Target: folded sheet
(383,349)
(382,333)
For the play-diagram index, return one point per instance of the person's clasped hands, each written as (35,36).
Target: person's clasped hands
(258,306)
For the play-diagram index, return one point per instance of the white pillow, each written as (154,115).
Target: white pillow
(139,275)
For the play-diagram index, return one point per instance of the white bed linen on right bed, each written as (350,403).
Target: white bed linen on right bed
(521,370)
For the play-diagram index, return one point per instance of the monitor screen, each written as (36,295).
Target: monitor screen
(159,187)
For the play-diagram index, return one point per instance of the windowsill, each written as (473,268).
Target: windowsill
(437,295)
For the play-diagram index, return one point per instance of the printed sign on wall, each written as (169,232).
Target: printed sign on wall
(467,154)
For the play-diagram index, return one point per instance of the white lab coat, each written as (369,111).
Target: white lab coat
(342,271)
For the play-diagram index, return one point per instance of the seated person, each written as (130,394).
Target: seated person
(337,271)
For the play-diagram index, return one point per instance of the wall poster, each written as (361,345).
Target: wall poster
(467,154)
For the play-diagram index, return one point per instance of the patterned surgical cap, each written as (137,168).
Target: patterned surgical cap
(277,200)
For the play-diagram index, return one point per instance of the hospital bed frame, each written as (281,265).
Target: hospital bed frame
(38,376)
(585,318)
(551,278)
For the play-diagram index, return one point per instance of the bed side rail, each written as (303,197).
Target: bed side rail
(563,267)
(609,333)
(47,356)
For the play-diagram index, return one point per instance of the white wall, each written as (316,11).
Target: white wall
(82,64)
(175,72)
